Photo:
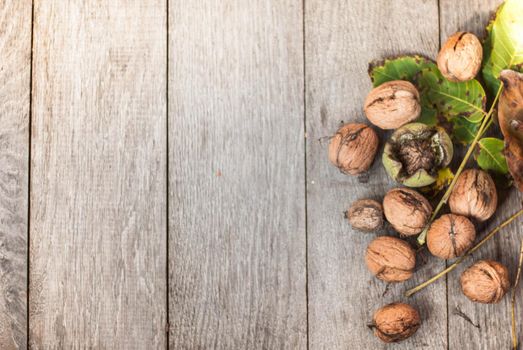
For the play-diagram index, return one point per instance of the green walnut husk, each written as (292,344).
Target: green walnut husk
(416,152)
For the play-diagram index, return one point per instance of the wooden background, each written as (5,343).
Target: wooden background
(164,180)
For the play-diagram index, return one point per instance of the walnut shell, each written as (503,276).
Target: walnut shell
(406,210)
(365,215)
(416,152)
(353,148)
(450,236)
(474,195)
(393,104)
(395,322)
(390,259)
(485,282)
(460,58)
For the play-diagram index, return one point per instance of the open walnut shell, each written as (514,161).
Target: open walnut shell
(416,152)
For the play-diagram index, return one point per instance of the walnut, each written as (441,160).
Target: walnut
(353,148)
(460,58)
(474,195)
(485,282)
(416,152)
(390,259)
(393,104)
(450,236)
(365,215)
(395,322)
(406,210)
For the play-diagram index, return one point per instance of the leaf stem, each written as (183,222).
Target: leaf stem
(513,303)
(484,125)
(451,267)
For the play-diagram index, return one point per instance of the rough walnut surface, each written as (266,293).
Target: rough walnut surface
(353,148)
(450,236)
(396,322)
(474,195)
(366,215)
(390,259)
(460,57)
(393,104)
(417,154)
(406,210)
(486,281)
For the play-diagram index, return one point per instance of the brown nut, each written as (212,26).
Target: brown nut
(395,322)
(353,148)
(365,215)
(460,58)
(406,210)
(393,104)
(390,259)
(450,236)
(474,195)
(485,282)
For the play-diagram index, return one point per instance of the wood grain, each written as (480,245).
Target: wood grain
(341,38)
(489,325)
(98,181)
(15,67)
(236,160)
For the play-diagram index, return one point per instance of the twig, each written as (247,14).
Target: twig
(514,289)
(484,125)
(451,267)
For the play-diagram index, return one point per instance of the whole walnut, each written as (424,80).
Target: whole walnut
(395,322)
(407,211)
(485,282)
(365,215)
(450,236)
(353,148)
(474,195)
(460,58)
(390,259)
(393,104)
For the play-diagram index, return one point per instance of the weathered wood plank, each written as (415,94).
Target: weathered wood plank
(98,184)
(493,321)
(341,38)
(15,67)
(237,206)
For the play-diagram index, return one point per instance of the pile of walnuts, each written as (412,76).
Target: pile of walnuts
(412,156)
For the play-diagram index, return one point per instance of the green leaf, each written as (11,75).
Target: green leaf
(503,47)
(399,68)
(491,155)
(451,100)
(429,116)
(463,130)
